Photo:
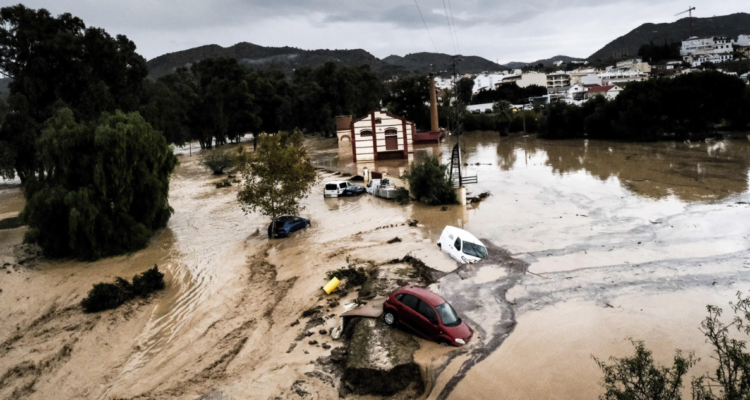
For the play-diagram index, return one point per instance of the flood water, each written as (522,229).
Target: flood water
(622,240)
(616,241)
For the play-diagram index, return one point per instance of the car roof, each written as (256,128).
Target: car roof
(464,235)
(424,294)
(336,182)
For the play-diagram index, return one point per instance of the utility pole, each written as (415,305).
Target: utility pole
(690,18)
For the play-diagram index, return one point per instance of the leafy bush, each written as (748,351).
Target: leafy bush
(148,282)
(429,182)
(218,160)
(402,196)
(106,296)
(638,378)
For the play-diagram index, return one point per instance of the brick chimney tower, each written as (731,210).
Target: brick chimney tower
(434,124)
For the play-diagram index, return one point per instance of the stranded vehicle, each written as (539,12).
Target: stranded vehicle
(461,245)
(286,225)
(427,314)
(341,189)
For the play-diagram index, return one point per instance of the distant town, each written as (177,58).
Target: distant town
(585,81)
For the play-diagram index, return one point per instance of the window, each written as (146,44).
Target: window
(457,245)
(410,301)
(427,312)
(365,133)
(476,250)
(390,132)
(342,185)
(331,186)
(448,315)
(378,121)
(399,296)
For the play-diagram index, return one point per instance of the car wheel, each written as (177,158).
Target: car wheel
(443,343)
(389,318)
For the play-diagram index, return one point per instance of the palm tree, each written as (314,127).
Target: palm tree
(503,116)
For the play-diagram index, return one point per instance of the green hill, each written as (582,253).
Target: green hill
(731,25)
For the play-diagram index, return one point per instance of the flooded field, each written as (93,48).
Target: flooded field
(592,243)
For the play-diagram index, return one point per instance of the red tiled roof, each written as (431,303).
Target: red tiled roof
(600,89)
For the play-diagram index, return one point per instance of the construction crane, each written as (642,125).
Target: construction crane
(690,18)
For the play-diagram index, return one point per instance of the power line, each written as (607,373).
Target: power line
(450,30)
(455,33)
(425,27)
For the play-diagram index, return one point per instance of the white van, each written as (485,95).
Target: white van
(342,188)
(461,245)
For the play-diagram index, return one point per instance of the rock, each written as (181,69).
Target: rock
(381,360)
(394,240)
(323,332)
(412,222)
(313,342)
(295,323)
(325,346)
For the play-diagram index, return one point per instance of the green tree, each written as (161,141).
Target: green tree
(429,182)
(166,111)
(464,88)
(732,378)
(105,188)
(218,160)
(278,175)
(639,378)
(54,61)
(503,113)
(409,98)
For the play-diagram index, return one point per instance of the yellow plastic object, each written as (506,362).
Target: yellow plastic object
(332,285)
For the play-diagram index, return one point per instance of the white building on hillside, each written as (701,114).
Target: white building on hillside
(707,45)
(487,81)
(613,77)
(558,79)
(532,78)
(743,40)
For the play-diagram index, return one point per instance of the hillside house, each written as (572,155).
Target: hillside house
(558,79)
(381,135)
(610,92)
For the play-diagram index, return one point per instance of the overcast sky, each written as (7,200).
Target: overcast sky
(502,31)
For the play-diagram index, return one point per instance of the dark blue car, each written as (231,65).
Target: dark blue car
(286,225)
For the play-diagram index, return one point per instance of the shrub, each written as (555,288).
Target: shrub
(148,282)
(106,296)
(429,182)
(402,196)
(218,160)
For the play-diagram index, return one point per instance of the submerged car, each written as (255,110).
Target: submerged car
(461,245)
(286,225)
(427,314)
(341,189)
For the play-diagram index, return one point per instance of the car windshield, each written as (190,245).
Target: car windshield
(448,315)
(476,250)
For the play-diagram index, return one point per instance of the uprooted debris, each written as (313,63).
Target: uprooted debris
(477,199)
(394,240)
(355,276)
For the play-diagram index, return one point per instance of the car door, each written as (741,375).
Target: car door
(408,310)
(296,224)
(342,188)
(427,321)
(456,249)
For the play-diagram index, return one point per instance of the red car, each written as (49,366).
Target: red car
(426,313)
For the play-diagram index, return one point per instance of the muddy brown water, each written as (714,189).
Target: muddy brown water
(620,240)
